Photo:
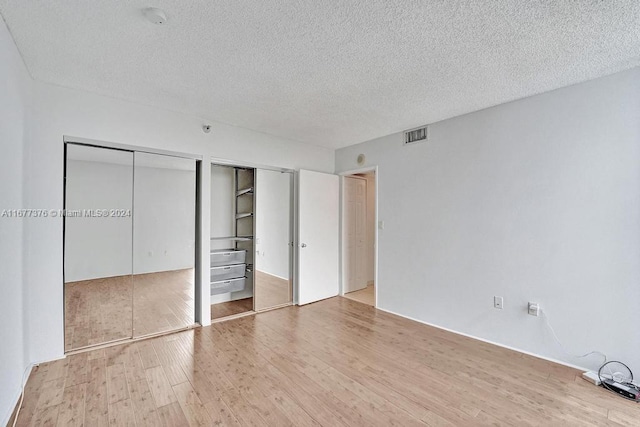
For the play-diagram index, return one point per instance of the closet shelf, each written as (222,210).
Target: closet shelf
(244,191)
(235,238)
(244,215)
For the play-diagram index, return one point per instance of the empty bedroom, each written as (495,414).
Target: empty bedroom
(272,213)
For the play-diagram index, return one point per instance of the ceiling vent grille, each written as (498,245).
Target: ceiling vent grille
(415,135)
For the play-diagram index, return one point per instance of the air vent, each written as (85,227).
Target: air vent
(415,135)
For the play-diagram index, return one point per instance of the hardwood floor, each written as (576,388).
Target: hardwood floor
(271,291)
(97,311)
(231,308)
(113,308)
(365,296)
(334,363)
(163,301)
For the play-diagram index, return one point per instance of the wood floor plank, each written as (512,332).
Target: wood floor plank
(51,393)
(231,308)
(121,414)
(148,354)
(220,413)
(336,362)
(77,369)
(172,416)
(160,387)
(117,388)
(46,416)
(192,407)
(71,412)
(96,408)
(174,373)
(144,406)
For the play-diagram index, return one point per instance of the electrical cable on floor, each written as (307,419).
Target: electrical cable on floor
(562,347)
(24,383)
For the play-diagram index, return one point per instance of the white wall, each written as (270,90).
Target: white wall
(102,246)
(158,236)
(14,104)
(222,205)
(535,200)
(273,222)
(59,111)
(164,209)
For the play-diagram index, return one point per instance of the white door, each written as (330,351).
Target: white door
(318,236)
(354,229)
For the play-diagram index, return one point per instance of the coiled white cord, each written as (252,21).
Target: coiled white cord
(562,347)
(24,383)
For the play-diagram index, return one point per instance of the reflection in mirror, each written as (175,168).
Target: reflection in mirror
(272,241)
(97,248)
(163,243)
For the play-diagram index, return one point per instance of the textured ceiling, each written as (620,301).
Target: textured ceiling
(330,73)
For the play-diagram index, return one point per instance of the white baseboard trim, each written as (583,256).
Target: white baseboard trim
(273,275)
(549,359)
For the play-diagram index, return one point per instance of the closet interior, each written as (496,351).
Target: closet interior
(250,259)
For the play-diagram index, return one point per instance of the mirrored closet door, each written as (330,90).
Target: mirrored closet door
(273,285)
(164,224)
(98,284)
(129,244)
(250,260)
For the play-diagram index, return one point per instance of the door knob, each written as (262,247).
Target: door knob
(304,245)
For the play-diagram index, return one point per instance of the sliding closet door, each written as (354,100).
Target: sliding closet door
(163,243)
(97,246)
(273,286)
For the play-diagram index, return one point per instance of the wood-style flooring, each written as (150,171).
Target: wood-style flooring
(231,308)
(113,308)
(271,291)
(333,363)
(365,296)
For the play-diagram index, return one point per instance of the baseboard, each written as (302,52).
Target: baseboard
(528,353)
(273,275)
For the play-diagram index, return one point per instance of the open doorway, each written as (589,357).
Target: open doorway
(359,237)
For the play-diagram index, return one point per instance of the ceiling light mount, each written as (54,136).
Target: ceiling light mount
(206,128)
(155,15)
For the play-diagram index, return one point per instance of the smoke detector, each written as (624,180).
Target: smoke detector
(155,15)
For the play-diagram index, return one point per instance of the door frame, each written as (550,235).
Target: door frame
(345,239)
(342,175)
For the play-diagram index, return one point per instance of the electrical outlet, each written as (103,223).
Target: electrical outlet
(534,309)
(498,302)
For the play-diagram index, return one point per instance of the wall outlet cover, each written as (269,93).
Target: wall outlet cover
(498,302)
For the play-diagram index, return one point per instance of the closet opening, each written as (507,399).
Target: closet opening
(359,236)
(250,252)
